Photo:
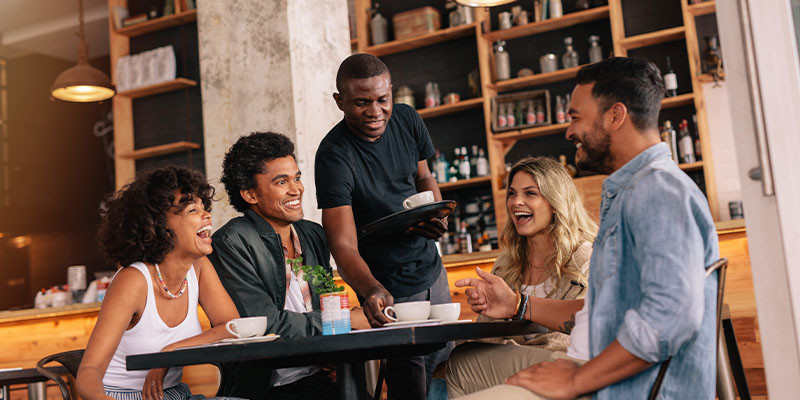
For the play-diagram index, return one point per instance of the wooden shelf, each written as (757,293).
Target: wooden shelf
(680,100)
(442,35)
(160,150)
(649,39)
(704,8)
(535,79)
(465,183)
(450,108)
(163,87)
(552,24)
(158,24)
(691,166)
(532,132)
(706,78)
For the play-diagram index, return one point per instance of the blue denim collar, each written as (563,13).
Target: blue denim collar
(623,176)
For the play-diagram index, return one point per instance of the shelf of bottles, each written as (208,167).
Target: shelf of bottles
(465,169)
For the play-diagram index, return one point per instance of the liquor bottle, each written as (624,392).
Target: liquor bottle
(473,161)
(530,115)
(464,167)
(668,137)
(540,117)
(378,26)
(568,101)
(670,80)
(595,52)
(502,122)
(452,173)
(556,10)
(570,57)
(457,165)
(465,239)
(571,170)
(698,149)
(482,165)
(685,143)
(560,117)
(519,114)
(502,64)
(510,118)
(441,167)
(483,243)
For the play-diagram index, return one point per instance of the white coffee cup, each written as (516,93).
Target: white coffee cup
(411,311)
(247,327)
(446,311)
(418,199)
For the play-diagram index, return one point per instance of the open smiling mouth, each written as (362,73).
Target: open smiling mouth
(523,217)
(204,232)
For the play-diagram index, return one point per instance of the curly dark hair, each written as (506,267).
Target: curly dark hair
(635,82)
(134,219)
(246,158)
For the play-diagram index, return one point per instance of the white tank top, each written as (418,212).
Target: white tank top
(150,335)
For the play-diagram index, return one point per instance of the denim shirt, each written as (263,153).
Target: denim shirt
(648,289)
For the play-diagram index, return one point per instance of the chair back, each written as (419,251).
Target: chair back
(720,265)
(71,360)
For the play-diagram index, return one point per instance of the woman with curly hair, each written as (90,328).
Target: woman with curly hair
(157,228)
(546,246)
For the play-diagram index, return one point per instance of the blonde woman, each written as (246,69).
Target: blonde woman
(546,246)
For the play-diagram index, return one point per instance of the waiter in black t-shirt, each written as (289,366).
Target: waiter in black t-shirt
(365,167)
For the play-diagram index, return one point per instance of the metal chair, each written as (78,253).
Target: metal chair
(71,360)
(724,378)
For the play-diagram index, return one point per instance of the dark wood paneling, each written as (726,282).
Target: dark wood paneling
(649,16)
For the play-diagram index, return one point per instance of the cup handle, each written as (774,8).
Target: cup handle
(385,312)
(407,204)
(231,331)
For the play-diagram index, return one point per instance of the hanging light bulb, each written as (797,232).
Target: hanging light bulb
(82,83)
(483,3)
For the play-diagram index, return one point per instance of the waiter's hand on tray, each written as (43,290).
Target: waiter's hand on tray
(376,300)
(430,229)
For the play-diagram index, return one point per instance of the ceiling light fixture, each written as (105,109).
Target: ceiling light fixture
(483,3)
(82,83)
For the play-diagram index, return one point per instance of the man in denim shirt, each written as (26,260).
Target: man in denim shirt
(648,299)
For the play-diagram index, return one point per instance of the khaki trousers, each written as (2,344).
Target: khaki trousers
(479,370)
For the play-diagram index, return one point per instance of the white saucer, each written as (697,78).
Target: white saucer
(459,321)
(254,339)
(420,322)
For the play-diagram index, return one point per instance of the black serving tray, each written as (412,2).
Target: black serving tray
(399,222)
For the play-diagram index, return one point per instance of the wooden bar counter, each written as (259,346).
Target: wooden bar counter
(28,335)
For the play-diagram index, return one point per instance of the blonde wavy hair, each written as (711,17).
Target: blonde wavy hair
(570,228)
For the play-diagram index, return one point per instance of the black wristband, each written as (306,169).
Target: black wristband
(523,305)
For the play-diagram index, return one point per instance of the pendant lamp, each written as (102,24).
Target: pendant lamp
(82,83)
(483,3)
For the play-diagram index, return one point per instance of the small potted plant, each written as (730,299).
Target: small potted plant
(334,301)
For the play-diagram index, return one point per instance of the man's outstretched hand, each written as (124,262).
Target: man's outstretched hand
(489,295)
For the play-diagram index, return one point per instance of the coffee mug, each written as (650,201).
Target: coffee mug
(446,311)
(418,199)
(411,311)
(247,327)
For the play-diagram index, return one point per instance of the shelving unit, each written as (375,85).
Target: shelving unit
(158,24)
(500,144)
(122,41)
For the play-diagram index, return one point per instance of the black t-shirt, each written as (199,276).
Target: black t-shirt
(374,178)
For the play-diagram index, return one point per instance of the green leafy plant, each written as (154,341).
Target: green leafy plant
(317,276)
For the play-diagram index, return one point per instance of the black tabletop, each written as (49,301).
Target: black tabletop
(28,375)
(350,347)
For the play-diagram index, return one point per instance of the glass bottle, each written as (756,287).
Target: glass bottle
(465,238)
(670,80)
(685,143)
(482,166)
(378,26)
(502,122)
(456,174)
(567,103)
(441,167)
(560,115)
(571,170)
(502,64)
(510,118)
(668,137)
(570,57)
(556,10)
(595,51)
(698,149)
(464,170)
(519,114)
(530,115)
(473,161)
(540,117)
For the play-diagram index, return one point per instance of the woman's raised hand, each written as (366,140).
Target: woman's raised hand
(489,295)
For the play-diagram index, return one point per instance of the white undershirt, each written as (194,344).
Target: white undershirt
(294,302)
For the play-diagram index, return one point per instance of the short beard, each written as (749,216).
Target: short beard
(598,153)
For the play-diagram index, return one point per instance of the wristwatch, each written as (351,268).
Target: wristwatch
(523,305)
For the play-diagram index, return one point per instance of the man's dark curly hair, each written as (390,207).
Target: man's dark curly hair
(635,82)
(134,219)
(246,158)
